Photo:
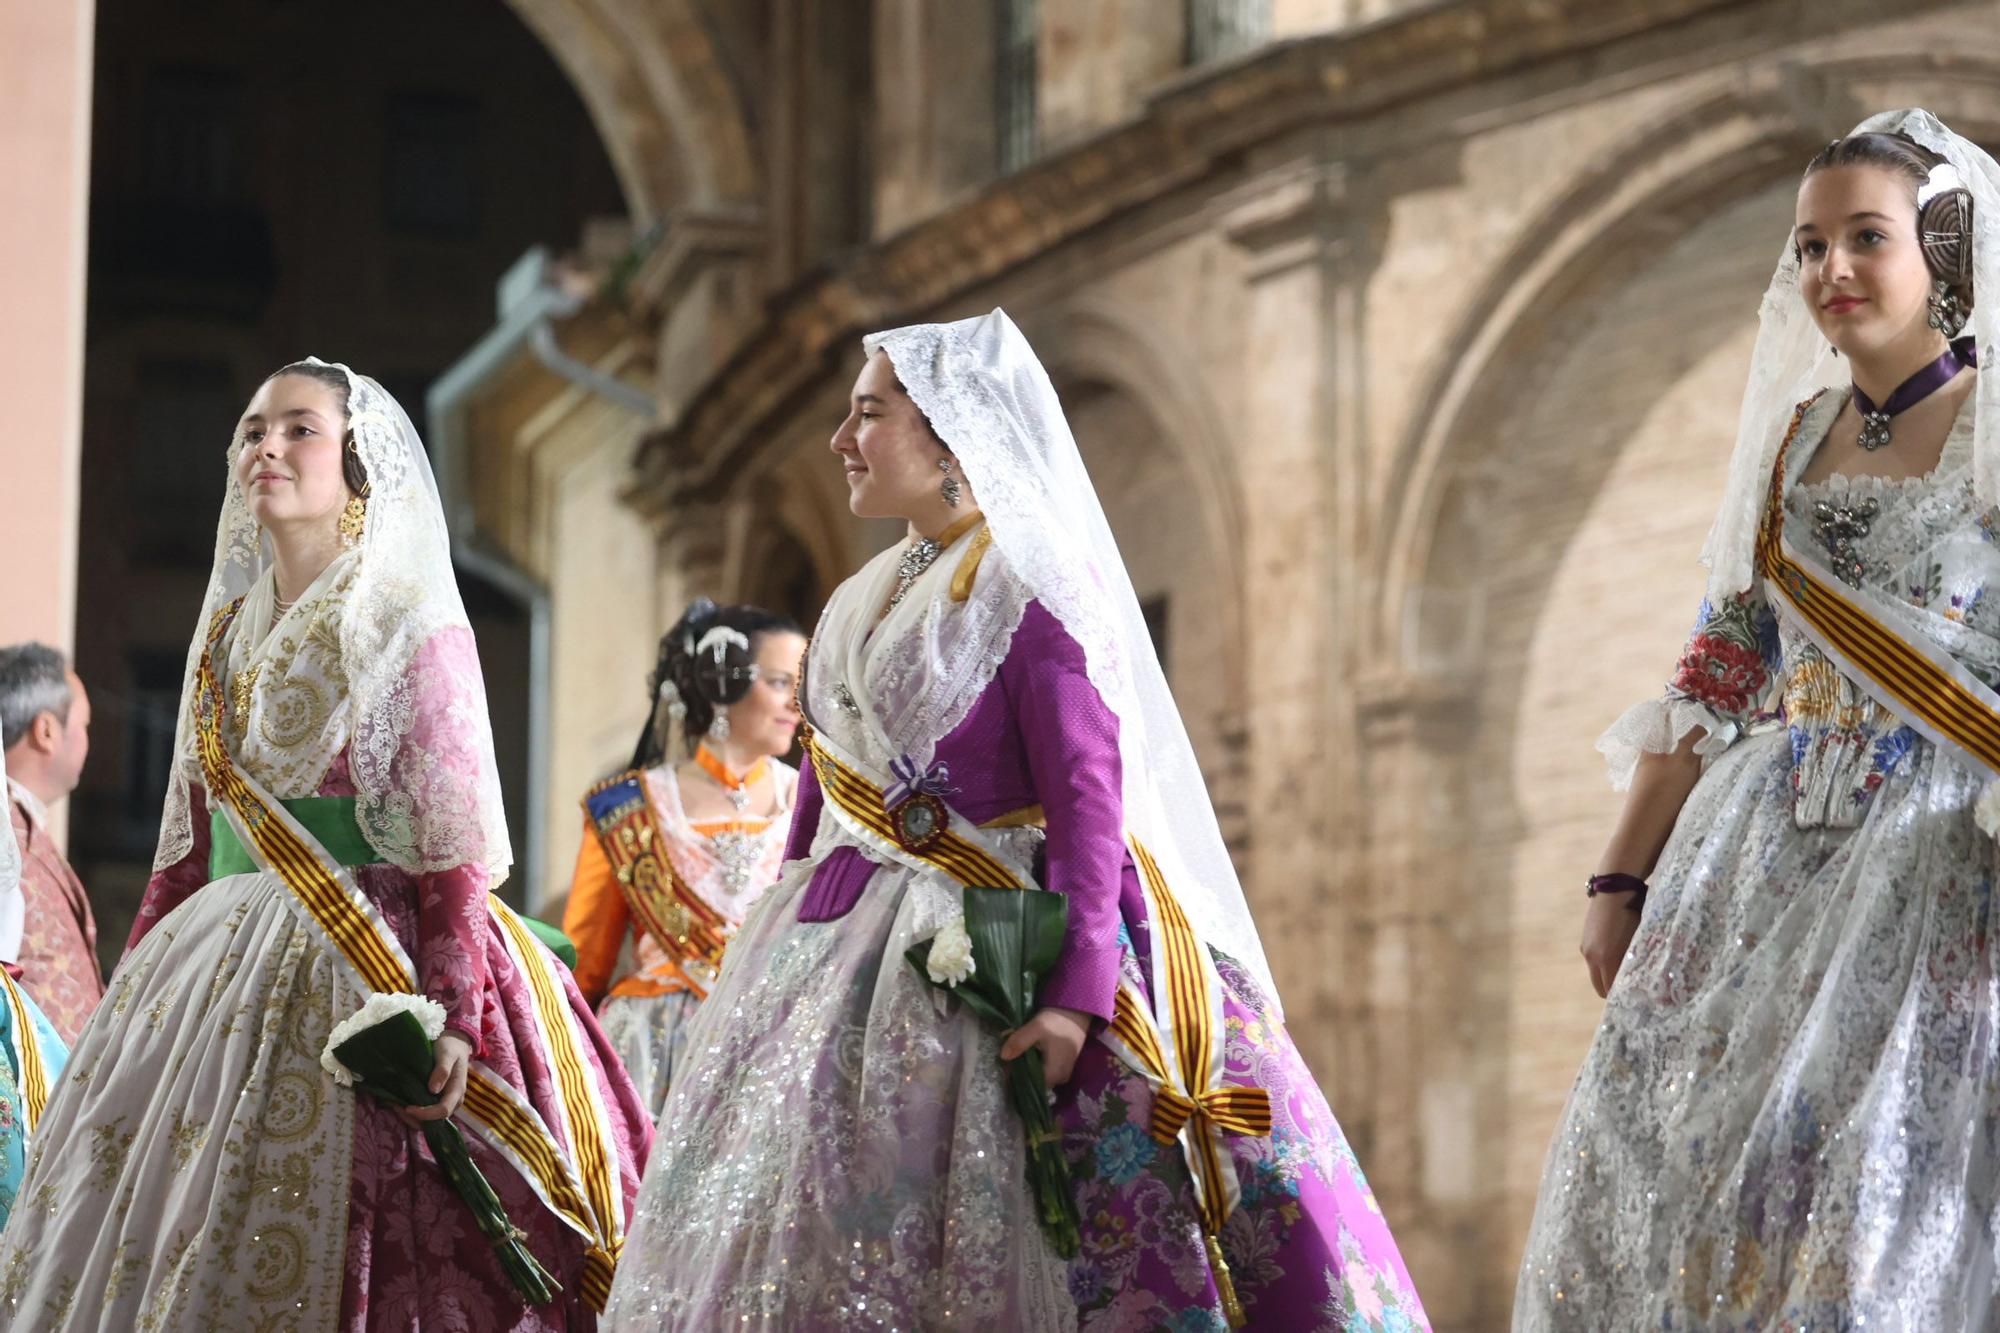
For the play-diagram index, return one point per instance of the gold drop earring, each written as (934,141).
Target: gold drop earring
(354,519)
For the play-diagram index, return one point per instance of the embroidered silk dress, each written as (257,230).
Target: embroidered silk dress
(198,1169)
(1790,1116)
(58,933)
(839,1151)
(727,863)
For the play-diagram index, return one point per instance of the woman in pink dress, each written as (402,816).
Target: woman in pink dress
(332,833)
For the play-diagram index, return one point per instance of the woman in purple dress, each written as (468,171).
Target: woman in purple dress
(986,707)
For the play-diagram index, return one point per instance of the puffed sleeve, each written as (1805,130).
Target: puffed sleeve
(596,919)
(1071,739)
(1726,676)
(174,885)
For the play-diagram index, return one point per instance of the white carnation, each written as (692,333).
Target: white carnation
(380,1006)
(950,959)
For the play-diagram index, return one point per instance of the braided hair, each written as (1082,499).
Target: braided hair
(706,662)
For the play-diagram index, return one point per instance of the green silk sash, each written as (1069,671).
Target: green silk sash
(331,820)
(328,818)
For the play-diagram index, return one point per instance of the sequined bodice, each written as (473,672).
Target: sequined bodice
(1914,541)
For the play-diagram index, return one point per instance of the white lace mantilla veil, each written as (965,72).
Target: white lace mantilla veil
(1792,360)
(429,797)
(988,398)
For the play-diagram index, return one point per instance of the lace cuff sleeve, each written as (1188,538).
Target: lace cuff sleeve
(1658,726)
(1726,677)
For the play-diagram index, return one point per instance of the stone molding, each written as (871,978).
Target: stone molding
(1190,129)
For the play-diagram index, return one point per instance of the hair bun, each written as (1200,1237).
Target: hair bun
(1944,224)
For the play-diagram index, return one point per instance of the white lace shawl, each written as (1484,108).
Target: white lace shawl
(377,656)
(985,393)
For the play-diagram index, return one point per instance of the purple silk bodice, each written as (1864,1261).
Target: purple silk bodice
(1040,734)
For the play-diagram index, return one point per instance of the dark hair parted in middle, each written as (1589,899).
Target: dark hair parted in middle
(707,670)
(351,470)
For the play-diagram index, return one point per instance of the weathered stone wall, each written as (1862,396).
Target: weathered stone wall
(1407,364)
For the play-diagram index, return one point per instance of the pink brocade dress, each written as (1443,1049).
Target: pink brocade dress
(413,1256)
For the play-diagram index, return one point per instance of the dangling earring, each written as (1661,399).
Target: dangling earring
(354,520)
(950,489)
(1944,316)
(718,730)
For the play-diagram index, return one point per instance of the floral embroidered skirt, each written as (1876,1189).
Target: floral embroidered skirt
(1308,1248)
(838,1152)
(1790,1115)
(197,1169)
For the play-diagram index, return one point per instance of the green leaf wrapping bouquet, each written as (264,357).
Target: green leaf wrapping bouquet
(384,1050)
(993,958)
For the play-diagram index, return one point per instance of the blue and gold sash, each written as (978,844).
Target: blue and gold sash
(687,929)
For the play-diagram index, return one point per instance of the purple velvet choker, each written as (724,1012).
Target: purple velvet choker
(1875,420)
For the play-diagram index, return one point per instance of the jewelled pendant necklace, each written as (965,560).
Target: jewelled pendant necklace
(737,789)
(917,558)
(1875,420)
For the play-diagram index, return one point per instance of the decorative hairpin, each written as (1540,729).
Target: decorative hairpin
(720,640)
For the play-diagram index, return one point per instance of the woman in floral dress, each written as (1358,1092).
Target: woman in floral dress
(1790,1116)
(987,710)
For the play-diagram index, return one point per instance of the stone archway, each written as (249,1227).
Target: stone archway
(659,87)
(1549,513)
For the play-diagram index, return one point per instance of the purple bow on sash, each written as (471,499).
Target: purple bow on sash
(911,781)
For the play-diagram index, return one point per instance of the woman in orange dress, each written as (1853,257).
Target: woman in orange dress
(674,854)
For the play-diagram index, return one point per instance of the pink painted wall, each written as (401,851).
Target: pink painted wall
(45,76)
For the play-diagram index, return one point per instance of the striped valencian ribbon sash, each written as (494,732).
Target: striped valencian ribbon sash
(1176,1044)
(1920,683)
(686,928)
(497,1111)
(958,849)
(27,1051)
(585,1122)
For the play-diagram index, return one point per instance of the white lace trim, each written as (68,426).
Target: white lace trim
(419,741)
(1658,726)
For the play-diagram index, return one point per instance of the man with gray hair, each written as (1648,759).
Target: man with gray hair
(45,733)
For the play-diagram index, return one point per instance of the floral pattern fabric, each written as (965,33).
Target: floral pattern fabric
(199,1077)
(1790,1115)
(1307,1247)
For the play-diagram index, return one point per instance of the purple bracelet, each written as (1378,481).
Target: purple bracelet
(1617,883)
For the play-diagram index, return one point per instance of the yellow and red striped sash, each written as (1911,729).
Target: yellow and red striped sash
(956,853)
(1175,1044)
(1927,689)
(585,1123)
(499,1113)
(28,1060)
(687,929)
(1190,1101)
